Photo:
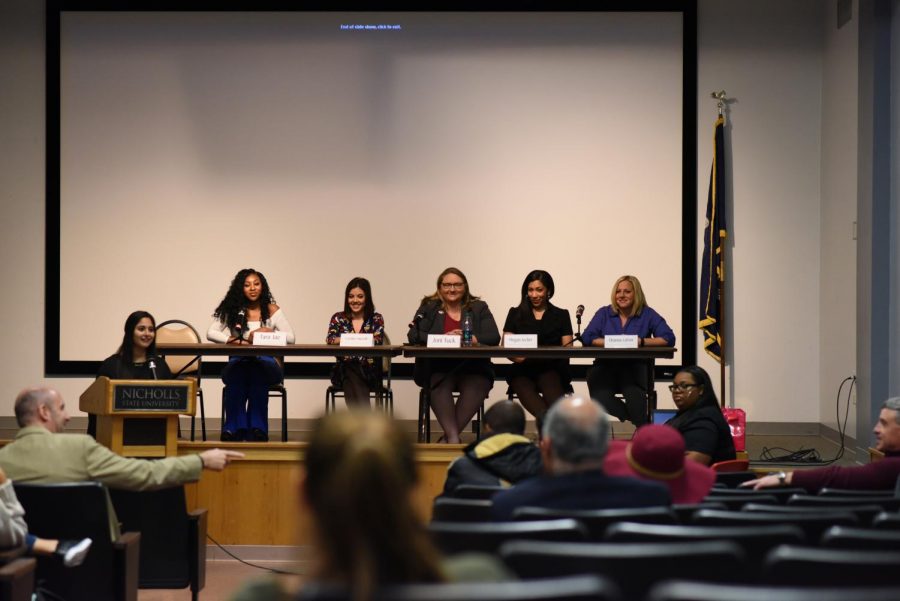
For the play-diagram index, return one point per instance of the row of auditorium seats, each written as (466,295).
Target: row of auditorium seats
(161,545)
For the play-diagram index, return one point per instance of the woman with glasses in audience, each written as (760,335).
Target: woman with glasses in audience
(627,313)
(706,434)
(357,376)
(445,312)
(539,382)
(136,358)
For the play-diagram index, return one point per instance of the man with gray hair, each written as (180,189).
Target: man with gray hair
(41,453)
(878,475)
(574,443)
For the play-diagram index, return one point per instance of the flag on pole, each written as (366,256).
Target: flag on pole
(712,275)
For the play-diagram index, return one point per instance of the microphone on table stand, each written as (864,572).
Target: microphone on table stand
(152,364)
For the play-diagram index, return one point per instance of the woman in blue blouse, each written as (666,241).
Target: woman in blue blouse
(628,313)
(357,376)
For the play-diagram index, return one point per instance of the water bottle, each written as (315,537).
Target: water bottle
(467,329)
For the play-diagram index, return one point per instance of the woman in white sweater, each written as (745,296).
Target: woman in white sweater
(248,308)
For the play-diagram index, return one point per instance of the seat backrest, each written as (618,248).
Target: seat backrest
(731,465)
(889,520)
(790,565)
(174,331)
(635,567)
(812,524)
(887,504)
(781,494)
(864,513)
(685,513)
(734,479)
(476,491)
(453,537)
(844,537)
(849,492)
(756,541)
(72,511)
(598,520)
(161,518)
(449,509)
(703,591)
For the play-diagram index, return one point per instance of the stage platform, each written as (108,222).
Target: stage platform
(255,500)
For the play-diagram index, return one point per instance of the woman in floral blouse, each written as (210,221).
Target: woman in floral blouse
(357,376)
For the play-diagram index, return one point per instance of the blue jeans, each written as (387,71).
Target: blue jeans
(247,381)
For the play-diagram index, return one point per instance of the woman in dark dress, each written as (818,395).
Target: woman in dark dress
(444,312)
(136,358)
(707,436)
(539,382)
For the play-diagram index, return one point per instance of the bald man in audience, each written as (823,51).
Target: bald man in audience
(878,475)
(41,453)
(573,446)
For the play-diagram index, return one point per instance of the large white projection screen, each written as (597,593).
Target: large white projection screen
(196,144)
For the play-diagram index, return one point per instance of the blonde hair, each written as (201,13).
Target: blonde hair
(467,297)
(360,473)
(639,300)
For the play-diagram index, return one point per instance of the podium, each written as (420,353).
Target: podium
(139,418)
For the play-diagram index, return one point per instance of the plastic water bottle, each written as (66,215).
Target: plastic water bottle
(467,329)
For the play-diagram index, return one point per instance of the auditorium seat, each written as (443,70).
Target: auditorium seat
(756,541)
(734,479)
(864,513)
(843,537)
(16,575)
(730,466)
(451,509)
(173,541)
(887,504)
(75,511)
(887,520)
(702,591)
(488,536)
(684,513)
(598,520)
(780,494)
(476,491)
(790,565)
(179,331)
(849,492)
(813,524)
(635,567)
(736,502)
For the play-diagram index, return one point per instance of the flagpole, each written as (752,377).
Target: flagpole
(720,98)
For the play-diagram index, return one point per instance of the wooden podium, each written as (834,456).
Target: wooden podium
(139,418)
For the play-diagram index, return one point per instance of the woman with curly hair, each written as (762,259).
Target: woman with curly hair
(136,358)
(248,307)
(357,376)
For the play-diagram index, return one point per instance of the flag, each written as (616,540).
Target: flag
(712,275)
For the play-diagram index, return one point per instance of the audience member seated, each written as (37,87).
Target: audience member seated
(14,531)
(707,437)
(41,453)
(573,447)
(136,358)
(878,475)
(503,457)
(656,453)
(358,489)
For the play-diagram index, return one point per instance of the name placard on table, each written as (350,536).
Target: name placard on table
(353,339)
(444,341)
(620,341)
(520,341)
(270,338)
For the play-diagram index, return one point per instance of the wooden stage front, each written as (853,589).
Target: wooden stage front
(254,501)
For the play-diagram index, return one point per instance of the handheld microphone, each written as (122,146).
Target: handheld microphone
(153,368)
(579,311)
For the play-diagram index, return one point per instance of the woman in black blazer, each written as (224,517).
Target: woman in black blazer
(444,312)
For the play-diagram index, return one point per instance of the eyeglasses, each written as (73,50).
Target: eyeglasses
(682,387)
(449,285)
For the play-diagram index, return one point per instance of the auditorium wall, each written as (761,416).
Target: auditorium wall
(780,63)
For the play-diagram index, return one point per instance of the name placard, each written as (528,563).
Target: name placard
(520,341)
(620,341)
(150,397)
(270,338)
(444,341)
(353,339)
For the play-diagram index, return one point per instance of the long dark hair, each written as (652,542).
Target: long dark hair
(362,284)
(360,473)
(538,275)
(708,395)
(235,301)
(126,349)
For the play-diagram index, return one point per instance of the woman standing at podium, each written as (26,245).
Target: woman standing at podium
(444,312)
(357,376)
(136,358)
(539,382)
(627,313)
(248,307)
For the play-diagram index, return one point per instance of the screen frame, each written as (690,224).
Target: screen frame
(54,366)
